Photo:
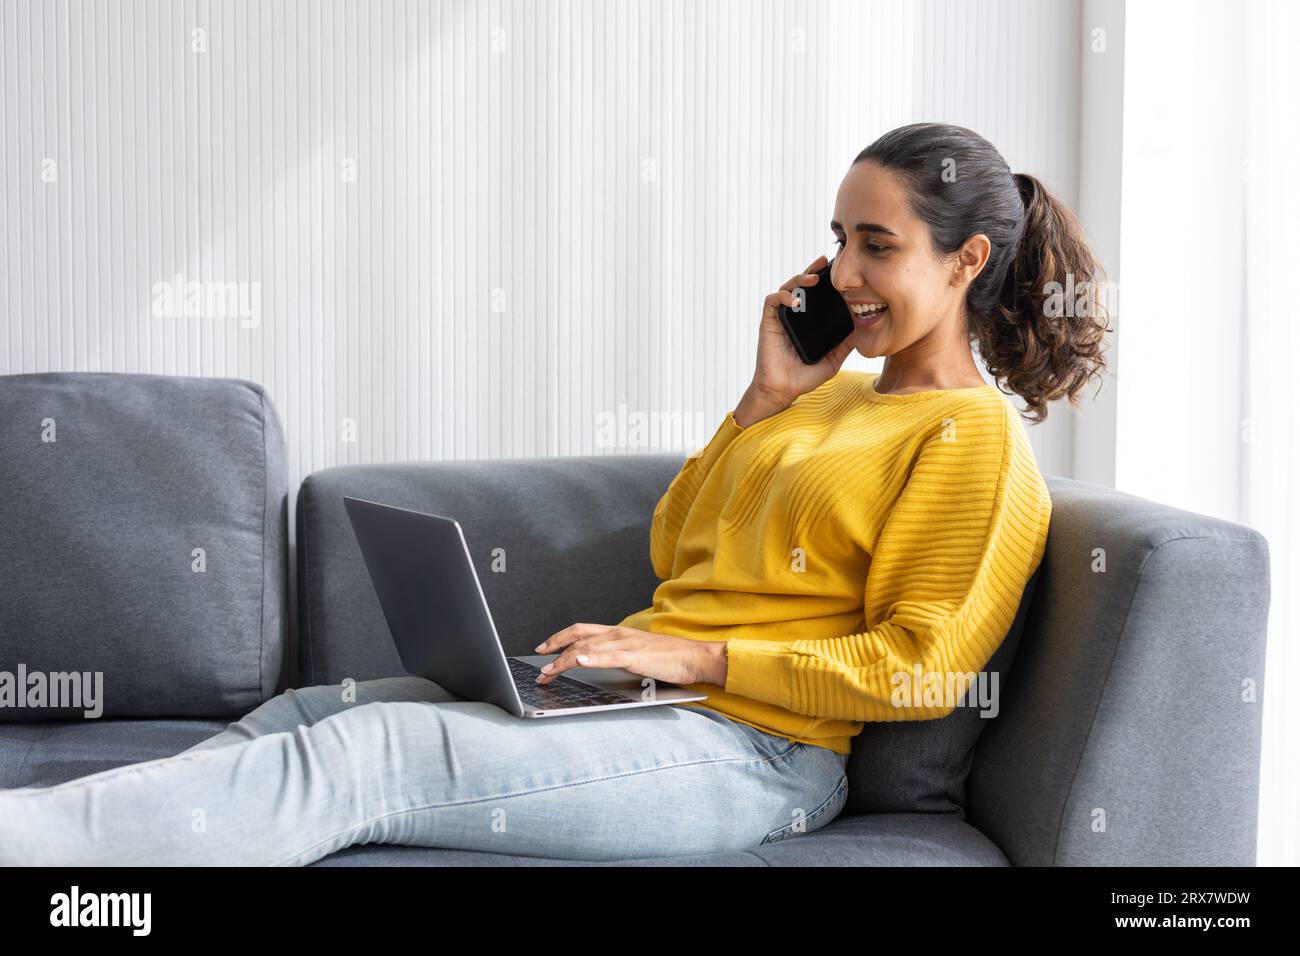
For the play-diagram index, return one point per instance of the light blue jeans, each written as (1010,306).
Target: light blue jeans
(407,762)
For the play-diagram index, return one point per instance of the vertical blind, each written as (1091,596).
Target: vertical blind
(471,229)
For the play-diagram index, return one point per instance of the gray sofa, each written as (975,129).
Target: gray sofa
(144,535)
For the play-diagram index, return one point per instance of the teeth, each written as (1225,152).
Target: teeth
(868,309)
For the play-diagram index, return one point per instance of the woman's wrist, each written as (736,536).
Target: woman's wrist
(713,667)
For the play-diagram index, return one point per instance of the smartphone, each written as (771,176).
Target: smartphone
(824,323)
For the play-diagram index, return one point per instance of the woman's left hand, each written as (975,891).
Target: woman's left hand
(676,660)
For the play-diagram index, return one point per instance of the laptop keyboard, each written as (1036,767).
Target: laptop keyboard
(561,693)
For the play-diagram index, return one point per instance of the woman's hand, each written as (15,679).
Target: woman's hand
(675,660)
(780,376)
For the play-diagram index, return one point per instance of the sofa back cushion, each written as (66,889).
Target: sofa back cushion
(554,541)
(143,546)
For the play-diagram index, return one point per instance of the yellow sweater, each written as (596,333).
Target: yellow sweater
(849,539)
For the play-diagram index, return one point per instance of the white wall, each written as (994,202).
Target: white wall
(1101,169)
(557,207)
(1183,260)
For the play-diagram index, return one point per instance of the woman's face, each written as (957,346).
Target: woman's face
(886,257)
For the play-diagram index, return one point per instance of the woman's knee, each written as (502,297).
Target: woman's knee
(308,705)
(397,689)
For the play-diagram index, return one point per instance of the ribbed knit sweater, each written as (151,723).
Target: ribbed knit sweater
(844,548)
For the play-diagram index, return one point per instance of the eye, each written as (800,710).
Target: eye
(871,246)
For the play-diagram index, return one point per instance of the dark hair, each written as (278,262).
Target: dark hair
(1026,334)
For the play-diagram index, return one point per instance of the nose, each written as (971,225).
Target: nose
(844,277)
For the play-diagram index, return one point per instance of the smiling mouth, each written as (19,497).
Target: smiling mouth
(864,317)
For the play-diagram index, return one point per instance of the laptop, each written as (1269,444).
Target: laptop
(421,570)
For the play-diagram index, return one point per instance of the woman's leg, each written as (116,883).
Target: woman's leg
(657,781)
(306,705)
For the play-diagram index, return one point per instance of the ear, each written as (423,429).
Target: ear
(971,259)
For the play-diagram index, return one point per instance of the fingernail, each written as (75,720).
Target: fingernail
(547,667)
(539,646)
(583,658)
(539,680)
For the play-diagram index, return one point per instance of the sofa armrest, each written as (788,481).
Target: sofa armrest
(1131,722)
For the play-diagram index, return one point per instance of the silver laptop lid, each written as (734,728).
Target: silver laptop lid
(422,572)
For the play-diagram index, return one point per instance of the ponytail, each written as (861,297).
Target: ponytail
(1044,337)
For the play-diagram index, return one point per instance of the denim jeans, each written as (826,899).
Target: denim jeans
(407,762)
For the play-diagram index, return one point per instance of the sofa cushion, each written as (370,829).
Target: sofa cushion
(883,839)
(144,544)
(53,752)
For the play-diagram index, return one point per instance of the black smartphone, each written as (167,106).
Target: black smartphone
(824,323)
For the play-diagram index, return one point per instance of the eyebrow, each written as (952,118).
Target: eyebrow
(866,227)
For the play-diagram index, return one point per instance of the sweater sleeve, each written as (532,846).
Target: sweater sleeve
(670,513)
(947,573)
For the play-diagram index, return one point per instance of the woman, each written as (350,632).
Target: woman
(841,536)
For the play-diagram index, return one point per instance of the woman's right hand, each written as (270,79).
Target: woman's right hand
(780,376)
